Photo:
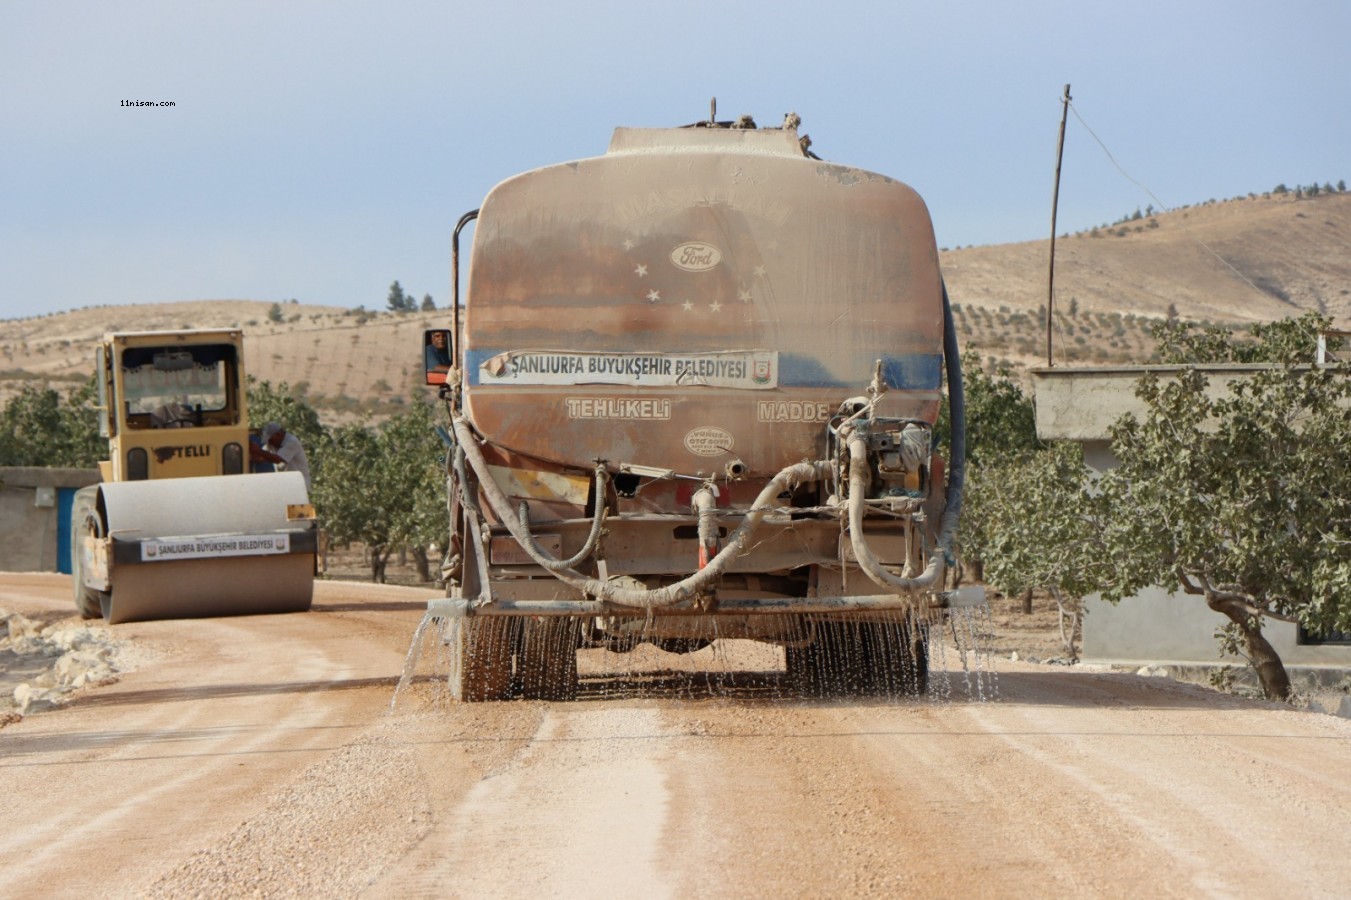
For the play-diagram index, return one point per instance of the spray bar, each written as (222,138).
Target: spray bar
(458,608)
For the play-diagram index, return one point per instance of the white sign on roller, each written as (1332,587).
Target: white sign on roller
(203,548)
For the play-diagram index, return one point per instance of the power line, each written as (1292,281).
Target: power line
(1161,205)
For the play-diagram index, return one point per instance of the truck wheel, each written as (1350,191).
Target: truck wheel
(480,659)
(548,659)
(805,674)
(835,663)
(898,658)
(851,658)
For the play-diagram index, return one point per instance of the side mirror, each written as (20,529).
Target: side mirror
(438,354)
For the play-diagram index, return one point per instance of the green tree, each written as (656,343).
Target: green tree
(287,406)
(415,467)
(40,428)
(1243,500)
(1037,524)
(428,304)
(349,501)
(1000,420)
(275,314)
(1285,342)
(1000,426)
(385,487)
(398,301)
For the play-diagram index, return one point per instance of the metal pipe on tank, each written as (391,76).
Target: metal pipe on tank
(455,280)
(705,506)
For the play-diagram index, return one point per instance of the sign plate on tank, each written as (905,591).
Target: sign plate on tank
(708,440)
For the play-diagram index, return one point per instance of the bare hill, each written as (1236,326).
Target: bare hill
(1246,260)
(347,362)
(1238,261)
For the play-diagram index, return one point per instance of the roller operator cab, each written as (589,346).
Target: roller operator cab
(693,395)
(178,527)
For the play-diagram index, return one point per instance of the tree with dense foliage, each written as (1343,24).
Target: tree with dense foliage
(1000,420)
(415,459)
(39,427)
(1000,427)
(287,407)
(398,301)
(385,487)
(1242,499)
(1036,523)
(347,498)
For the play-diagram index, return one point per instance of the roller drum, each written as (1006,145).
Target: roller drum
(213,546)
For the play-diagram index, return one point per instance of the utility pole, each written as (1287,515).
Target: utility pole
(1055,204)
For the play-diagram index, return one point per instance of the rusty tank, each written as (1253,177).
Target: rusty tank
(693,396)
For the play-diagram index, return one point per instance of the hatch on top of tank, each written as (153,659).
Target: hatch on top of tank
(769,141)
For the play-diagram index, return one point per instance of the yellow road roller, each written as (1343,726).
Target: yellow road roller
(179,526)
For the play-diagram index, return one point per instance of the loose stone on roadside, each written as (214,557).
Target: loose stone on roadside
(41,666)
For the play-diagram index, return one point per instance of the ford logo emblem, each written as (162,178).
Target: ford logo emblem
(696,256)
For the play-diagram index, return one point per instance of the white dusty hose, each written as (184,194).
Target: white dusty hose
(608,591)
(859,472)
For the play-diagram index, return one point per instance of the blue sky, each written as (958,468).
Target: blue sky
(320,150)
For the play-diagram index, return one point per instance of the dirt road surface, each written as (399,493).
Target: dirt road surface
(258,756)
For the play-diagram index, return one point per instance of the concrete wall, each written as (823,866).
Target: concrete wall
(35,516)
(1080,404)
(1156,626)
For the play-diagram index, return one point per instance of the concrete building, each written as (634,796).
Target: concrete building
(1156,625)
(35,505)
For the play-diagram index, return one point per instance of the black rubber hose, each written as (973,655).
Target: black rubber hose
(952,358)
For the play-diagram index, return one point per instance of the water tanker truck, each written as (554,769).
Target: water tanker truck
(179,528)
(693,396)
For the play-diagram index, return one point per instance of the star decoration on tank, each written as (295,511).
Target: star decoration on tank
(662,283)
